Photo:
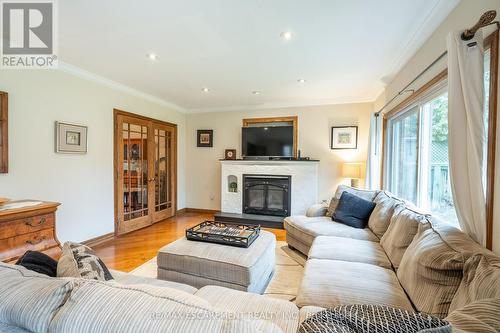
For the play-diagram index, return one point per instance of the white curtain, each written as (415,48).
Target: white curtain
(466,132)
(374,159)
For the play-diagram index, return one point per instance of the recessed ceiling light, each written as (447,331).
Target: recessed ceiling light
(286,35)
(205,90)
(152,56)
(301,81)
(256,92)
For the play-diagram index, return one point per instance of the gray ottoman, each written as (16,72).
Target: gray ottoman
(200,264)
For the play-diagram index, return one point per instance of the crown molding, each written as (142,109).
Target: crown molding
(268,106)
(86,75)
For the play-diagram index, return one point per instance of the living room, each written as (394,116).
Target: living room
(261,166)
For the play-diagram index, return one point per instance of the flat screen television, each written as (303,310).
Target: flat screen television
(267,141)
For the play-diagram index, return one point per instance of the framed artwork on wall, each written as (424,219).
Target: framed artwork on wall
(204,138)
(71,138)
(344,137)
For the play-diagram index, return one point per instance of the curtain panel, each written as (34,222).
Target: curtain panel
(466,133)
(374,158)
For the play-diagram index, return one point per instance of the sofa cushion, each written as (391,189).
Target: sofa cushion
(97,306)
(349,249)
(264,311)
(80,261)
(431,270)
(353,211)
(4,328)
(477,317)
(308,228)
(29,300)
(402,228)
(329,283)
(382,213)
(131,279)
(481,280)
(365,194)
(308,311)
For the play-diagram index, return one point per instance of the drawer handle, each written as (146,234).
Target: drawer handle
(36,240)
(31,224)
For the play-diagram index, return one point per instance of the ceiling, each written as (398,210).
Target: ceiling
(345,50)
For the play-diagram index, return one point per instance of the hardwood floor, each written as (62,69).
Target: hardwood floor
(126,252)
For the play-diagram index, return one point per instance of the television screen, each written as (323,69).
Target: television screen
(267,141)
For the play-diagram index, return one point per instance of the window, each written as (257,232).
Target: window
(418,170)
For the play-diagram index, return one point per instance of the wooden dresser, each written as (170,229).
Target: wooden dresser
(28,228)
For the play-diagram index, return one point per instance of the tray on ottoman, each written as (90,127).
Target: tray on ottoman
(224,233)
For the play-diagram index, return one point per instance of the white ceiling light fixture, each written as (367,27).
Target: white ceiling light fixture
(152,56)
(286,35)
(256,92)
(205,90)
(301,80)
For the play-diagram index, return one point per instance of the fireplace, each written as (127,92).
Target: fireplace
(266,195)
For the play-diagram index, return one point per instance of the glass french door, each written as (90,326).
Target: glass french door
(164,169)
(145,159)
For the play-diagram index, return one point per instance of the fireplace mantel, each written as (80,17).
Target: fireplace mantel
(304,182)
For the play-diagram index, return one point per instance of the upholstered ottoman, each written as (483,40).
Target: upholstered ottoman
(200,264)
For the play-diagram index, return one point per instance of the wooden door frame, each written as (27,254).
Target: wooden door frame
(116,163)
(4,117)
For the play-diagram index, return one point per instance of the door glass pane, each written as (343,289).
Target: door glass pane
(162,172)
(403,174)
(438,197)
(135,180)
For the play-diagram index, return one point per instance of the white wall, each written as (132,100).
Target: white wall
(203,167)
(82,183)
(465,15)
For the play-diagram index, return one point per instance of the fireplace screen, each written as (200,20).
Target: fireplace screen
(266,195)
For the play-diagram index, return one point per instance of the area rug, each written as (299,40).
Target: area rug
(284,283)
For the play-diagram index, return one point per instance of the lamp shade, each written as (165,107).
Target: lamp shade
(353,170)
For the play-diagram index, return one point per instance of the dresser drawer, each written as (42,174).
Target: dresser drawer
(36,241)
(27,225)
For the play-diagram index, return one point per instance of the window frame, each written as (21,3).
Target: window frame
(492,43)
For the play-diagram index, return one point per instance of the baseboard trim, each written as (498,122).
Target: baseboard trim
(99,240)
(198,210)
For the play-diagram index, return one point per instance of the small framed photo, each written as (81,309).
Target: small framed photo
(345,137)
(71,138)
(205,138)
(230,154)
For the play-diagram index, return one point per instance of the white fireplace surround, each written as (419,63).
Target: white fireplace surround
(304,182)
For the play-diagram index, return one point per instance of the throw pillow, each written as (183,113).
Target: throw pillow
(38,262)
(353,211)
(80,261)
(365,194)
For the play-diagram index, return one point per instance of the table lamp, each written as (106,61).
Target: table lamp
(355,171)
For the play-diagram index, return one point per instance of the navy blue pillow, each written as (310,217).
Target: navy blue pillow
(38,262)
(353,210)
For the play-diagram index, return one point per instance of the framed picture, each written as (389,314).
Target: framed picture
(230,154)
(71,138)
(345,137)
(205,138)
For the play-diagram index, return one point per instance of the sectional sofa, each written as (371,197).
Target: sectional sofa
(404,258)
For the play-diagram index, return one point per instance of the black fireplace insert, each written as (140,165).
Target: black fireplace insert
(266,195)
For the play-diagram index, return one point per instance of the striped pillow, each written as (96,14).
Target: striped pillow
(381,216)
(477,317)
(29,300)
(431,271)
(402,228)
(481,280)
